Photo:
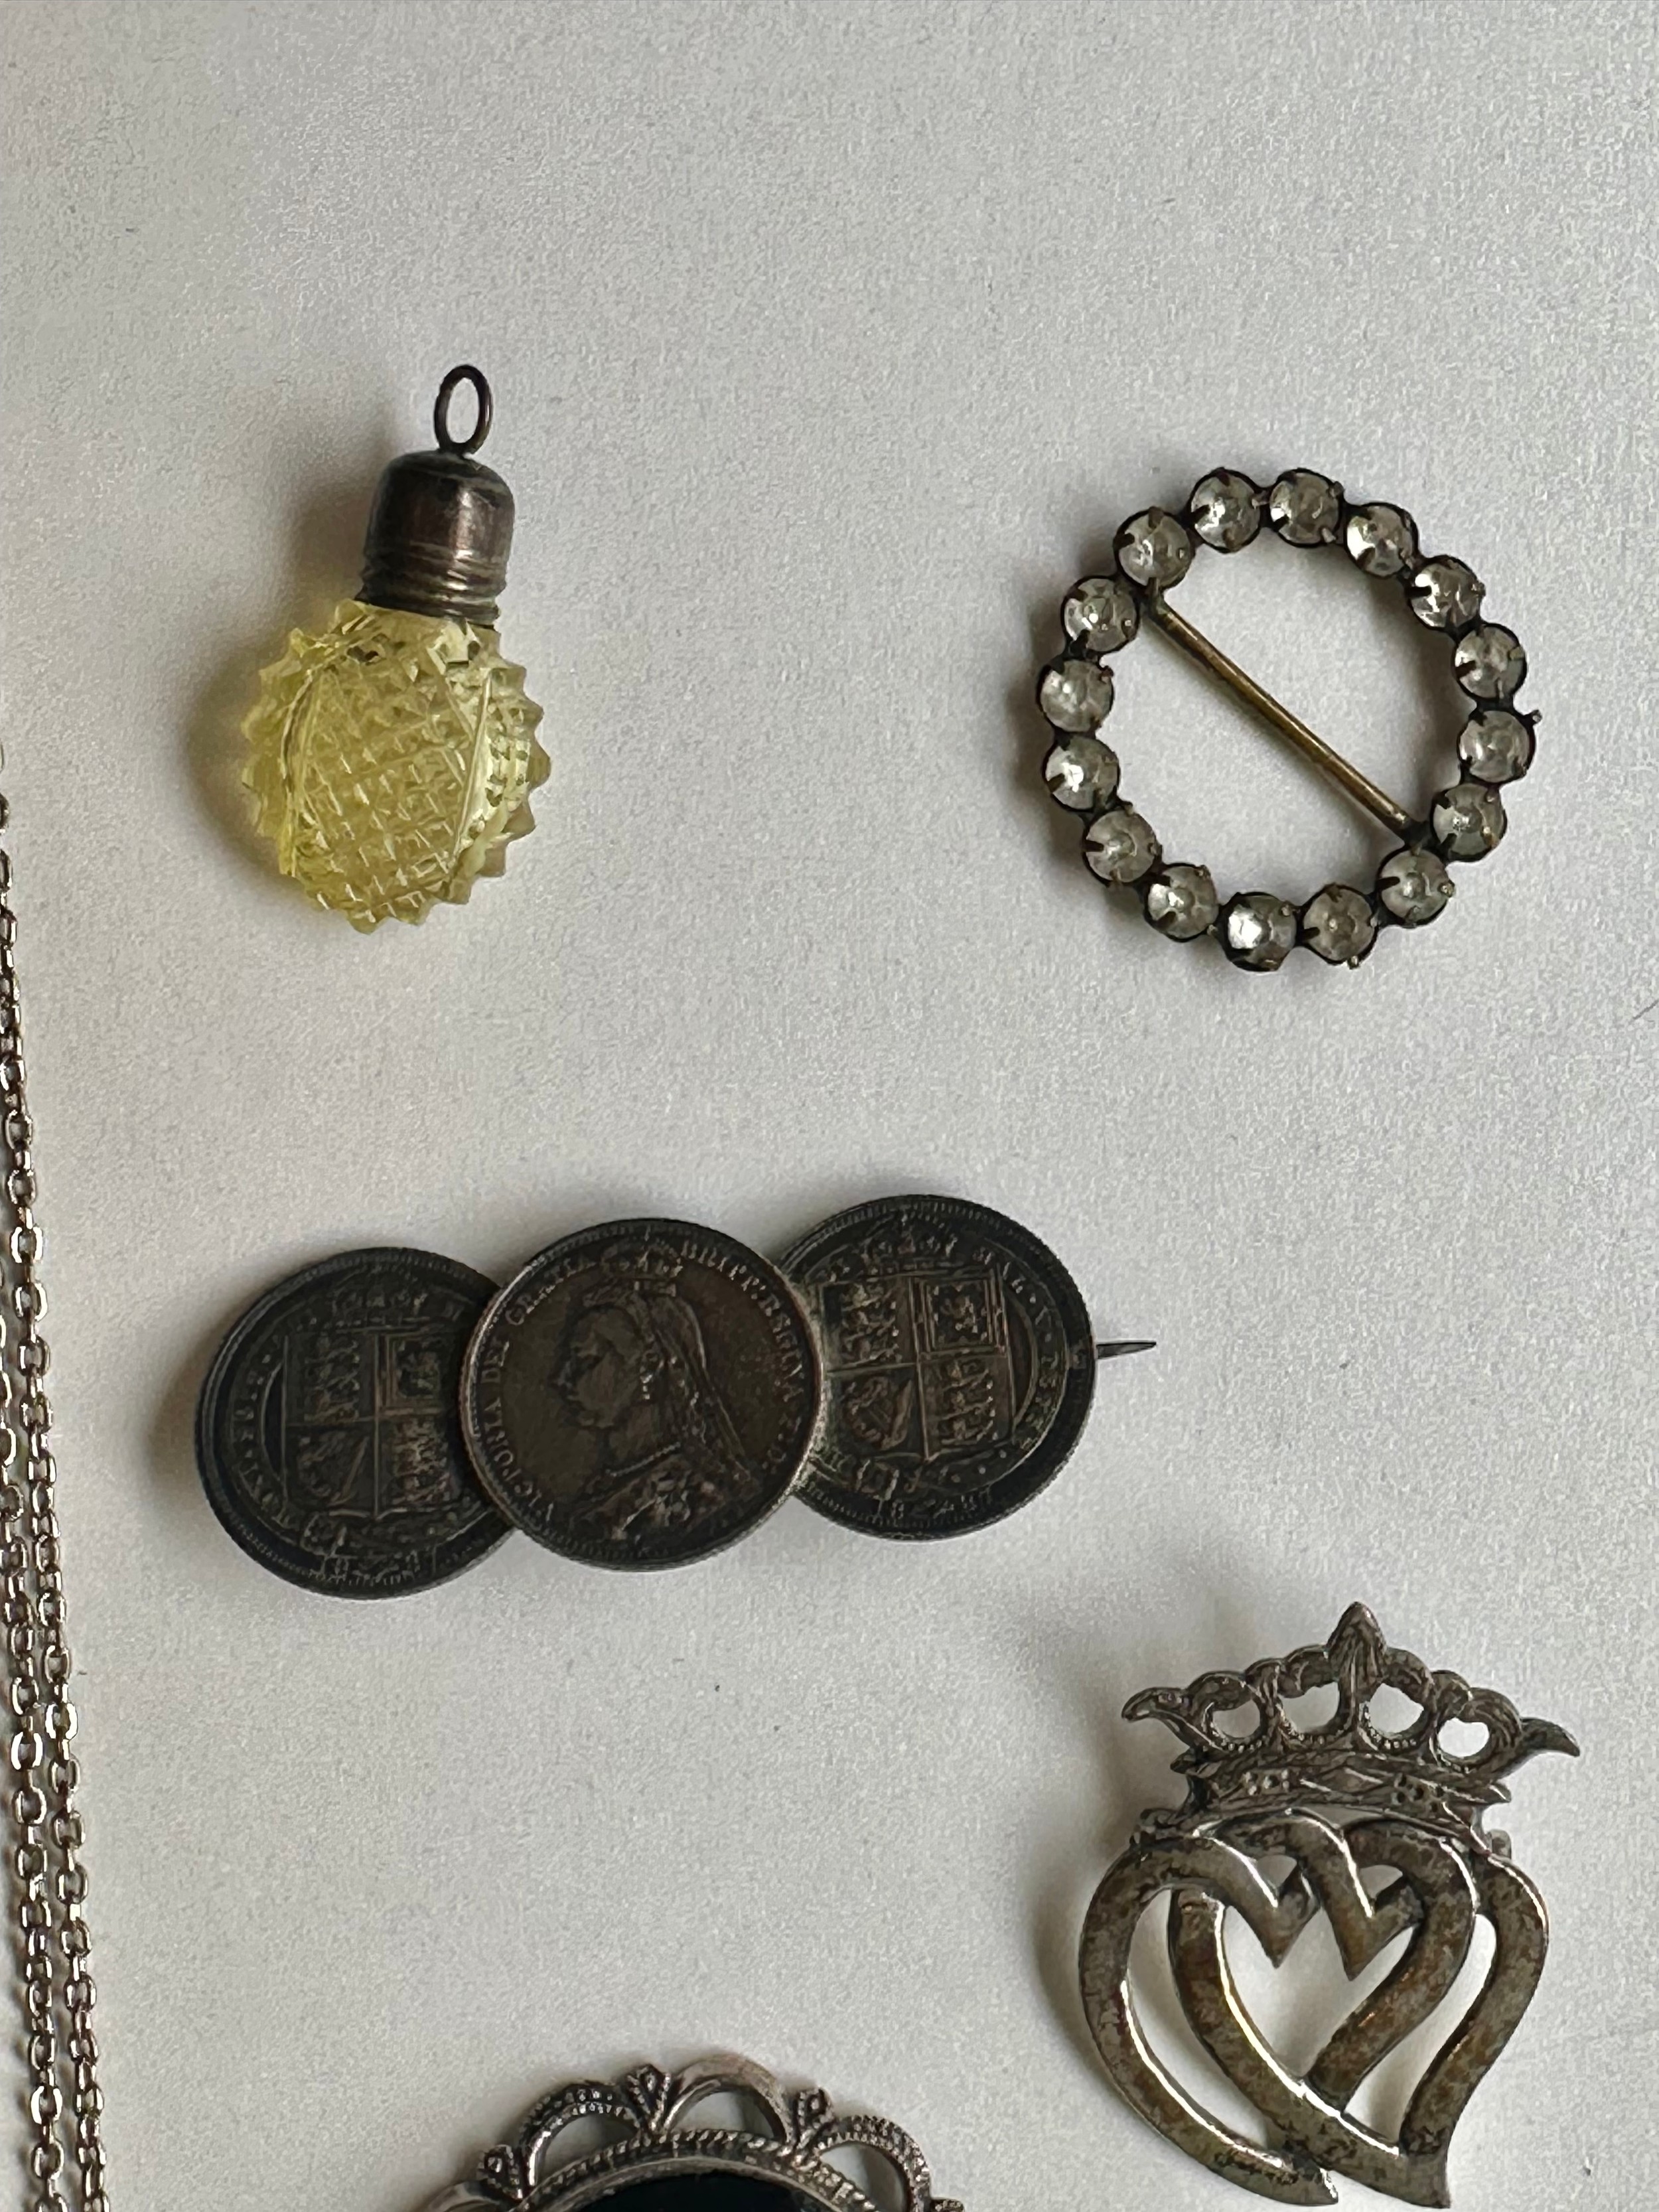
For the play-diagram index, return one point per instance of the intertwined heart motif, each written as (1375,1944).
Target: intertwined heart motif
(1342,1801)
(1440,1892)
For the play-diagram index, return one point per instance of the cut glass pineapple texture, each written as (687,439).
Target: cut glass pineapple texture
(392,758)
(393,755)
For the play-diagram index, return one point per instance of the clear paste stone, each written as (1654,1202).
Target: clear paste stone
(1446,594)
(1120,846)
(1082,774)
(1180,899)
(1153,550)
(1225,510)
(1100,614)
(1495,746)
(1075,695)
(1258,930)
(1413,885)
(1381,540)
(1468,821)
(1304,509)
(1488,662)
(1338,924)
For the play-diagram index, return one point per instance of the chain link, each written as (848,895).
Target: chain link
(49,1881)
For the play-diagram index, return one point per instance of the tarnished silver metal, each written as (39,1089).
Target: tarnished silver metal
(659,2156)
(441,526)
(959,1364)
(49,1882)
(1101,615)
(328,1433)
(1340,1800)
(642,1393)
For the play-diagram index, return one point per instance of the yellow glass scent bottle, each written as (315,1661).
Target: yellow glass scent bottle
(393,755)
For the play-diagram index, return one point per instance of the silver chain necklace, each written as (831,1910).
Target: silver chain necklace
(53,1950)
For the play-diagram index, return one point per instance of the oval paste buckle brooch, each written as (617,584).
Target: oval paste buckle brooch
(1101,615)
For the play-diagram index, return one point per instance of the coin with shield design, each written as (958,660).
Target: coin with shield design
(959,1364)
(642,1394)
(328,1432)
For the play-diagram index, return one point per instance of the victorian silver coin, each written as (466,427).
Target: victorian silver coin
(959,1364)
(641,1395)
(328,1432)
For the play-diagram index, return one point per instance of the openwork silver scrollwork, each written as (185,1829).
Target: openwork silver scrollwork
(1340,1801)
(656,2138)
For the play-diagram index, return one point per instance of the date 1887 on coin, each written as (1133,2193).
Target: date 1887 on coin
(959,1364)
(328,1434)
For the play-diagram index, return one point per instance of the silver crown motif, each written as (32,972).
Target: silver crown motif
(1344,1801)
(914,1243)
(641,1263)
(1350,1759)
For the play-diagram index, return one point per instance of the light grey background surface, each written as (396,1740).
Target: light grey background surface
(830,342)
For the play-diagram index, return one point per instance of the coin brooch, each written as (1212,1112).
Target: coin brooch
(671,2142)
(641,1395)
(328,1434)
(644,1393)
(1341,1802)
(959,1364)
(1101,615)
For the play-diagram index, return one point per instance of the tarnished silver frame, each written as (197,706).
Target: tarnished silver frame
(1340,1800)
(1102,614)
(656,2138)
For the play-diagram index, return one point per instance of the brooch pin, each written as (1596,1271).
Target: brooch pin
(644,1393)
(668,2148)
(1101,615)
(959,1364)
(1340,1801)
